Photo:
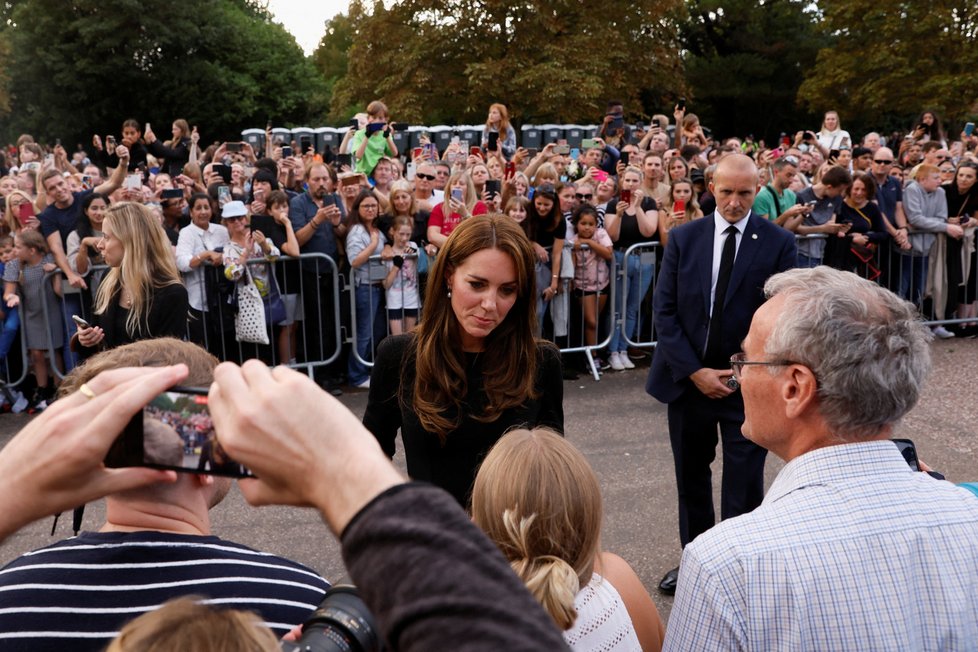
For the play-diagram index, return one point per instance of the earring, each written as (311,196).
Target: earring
(449,293)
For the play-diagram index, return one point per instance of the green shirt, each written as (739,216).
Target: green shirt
(377,148)
(764,204)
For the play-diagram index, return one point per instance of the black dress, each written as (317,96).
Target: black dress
(453,465)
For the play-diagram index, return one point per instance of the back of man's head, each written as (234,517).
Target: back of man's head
(161,442)
(836,177)
(864,344)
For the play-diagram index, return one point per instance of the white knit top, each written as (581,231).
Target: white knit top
(602,621)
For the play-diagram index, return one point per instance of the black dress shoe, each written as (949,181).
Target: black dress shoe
(668,583)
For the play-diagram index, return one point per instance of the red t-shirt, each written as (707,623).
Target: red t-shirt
(447,224)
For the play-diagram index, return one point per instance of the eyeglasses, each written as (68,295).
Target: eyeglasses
(422,175)
(884,161)
(587,196)
(739,360)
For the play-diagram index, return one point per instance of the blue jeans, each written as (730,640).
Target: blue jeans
(11,323)
(371,328)
(639,280)
(806,262)
(913,275)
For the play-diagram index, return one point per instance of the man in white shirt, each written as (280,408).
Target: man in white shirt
(851,549)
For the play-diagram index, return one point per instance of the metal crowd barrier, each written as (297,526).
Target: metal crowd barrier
(318,334)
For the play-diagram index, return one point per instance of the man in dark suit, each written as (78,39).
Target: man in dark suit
(711,282)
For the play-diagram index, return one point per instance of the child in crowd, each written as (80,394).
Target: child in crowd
(12,399)
(401,284)
(24,285)
(592,249)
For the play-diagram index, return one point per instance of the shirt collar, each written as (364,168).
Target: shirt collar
(834,464)
(720,224)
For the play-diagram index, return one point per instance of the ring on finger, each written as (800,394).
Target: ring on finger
(86,391)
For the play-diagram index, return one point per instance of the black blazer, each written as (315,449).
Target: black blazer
(167,318)
(681,301)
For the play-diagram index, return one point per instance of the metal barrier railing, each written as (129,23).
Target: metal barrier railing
(316,334)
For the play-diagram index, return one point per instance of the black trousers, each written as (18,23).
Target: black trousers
(694,421)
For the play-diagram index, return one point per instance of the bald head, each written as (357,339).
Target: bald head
(734,186)
(882,160)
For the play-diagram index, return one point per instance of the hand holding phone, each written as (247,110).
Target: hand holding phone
(81,322)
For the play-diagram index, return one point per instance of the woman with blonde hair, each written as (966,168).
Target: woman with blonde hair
(472,369)
(539,500)
(189,624)
(12,224)
(461,202)
(141,297)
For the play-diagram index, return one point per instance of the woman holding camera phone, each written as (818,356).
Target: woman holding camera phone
(472,369)
(498,122)
(634,220)
(141,297)
(173,154)
(461,202)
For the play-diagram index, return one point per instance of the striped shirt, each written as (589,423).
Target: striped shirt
(850,550)
(77,594)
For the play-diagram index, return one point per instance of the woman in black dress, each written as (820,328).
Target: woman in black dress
(473,369)
(141,297)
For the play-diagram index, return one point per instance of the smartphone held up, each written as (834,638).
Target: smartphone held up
(174,431)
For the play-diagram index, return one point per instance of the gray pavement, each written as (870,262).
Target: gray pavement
(623,433)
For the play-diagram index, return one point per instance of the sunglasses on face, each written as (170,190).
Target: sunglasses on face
(422,175)
(587,196)
(884,162)
(235,218)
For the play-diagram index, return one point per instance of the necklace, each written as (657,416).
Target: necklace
(125,300)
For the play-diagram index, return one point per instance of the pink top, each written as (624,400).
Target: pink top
(590,269)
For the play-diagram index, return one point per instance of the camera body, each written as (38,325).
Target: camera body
(342,623)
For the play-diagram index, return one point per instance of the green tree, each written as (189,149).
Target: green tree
(331,56)
(889,61)
(745,60)
(85,66)
(447,60)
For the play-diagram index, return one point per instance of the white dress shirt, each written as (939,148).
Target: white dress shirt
(719,237)
(192,241)
(850,550)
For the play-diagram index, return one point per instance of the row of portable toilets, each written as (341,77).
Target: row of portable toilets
(533,136)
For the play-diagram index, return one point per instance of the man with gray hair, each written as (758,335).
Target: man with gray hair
(851,548)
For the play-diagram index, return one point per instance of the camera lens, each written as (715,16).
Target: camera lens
(342,623)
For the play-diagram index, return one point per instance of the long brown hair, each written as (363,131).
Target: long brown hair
(510,355)
(147,262)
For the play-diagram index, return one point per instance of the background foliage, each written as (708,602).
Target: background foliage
(69,68)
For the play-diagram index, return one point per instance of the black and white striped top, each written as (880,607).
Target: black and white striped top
(77,594)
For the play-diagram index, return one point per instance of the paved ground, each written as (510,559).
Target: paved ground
(623,433)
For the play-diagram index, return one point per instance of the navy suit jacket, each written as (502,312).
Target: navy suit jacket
(681,301)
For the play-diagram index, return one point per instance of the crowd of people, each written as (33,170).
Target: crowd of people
(898,209)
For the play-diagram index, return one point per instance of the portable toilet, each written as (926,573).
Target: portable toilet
(402,139)
(281,136)
(255,138)
(472,134)
(325,136)
(552,133)
(532,137)
(574,135)
(441,136)
(304,137)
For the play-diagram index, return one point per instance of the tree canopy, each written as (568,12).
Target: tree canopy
(447,60)
(886,61)
(88,64)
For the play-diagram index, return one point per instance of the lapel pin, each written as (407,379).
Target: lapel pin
(753,236)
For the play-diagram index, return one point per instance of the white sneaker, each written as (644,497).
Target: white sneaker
(20,404)
(615,360)
(942,333)
(626,362)
(364,385)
